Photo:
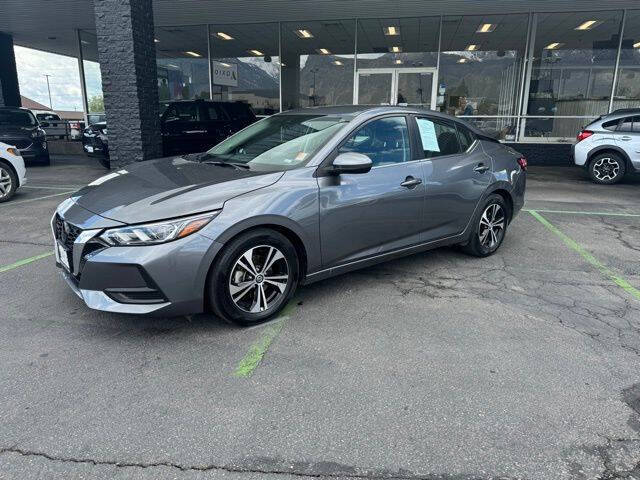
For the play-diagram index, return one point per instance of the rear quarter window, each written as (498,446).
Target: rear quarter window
(611,124)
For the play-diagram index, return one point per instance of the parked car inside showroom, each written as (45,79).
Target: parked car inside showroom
(20,128)
(187,126)
(609,147)
(13,173)
(294,198)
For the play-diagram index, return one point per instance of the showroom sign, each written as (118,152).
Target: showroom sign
(225,73)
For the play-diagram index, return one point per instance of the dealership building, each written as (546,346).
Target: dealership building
(531,72)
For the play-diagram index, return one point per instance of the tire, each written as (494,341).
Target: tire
(105,162)
(607,168)
(45,160)
(493,216)
(8,182)
(236,286)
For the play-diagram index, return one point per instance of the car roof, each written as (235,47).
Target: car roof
(15,108)
(369,111)
(617,114)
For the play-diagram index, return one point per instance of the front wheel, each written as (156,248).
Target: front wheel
(607,168)
(255,277)
(8,183)
(490,228)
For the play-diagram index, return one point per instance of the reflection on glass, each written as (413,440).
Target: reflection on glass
(317,63)
(374,88)
(181,59)
(572,71)
(415,88)
(627,93)
(246,66)
(501,128)
(480,67)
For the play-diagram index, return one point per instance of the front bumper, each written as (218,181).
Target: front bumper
(166,279)
(95,145)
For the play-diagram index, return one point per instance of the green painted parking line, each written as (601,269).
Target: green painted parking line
(25,261)
(578,212)
(571,243)
(256,351)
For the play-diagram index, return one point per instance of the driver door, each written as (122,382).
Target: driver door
(363,215)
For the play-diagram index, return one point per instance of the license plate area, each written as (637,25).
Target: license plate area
(63,257)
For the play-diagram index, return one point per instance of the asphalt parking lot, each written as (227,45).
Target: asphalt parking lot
(437,366)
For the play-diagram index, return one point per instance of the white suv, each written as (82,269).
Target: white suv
(610,146)
(12,171)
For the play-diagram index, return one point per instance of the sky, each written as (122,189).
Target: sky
(64,81)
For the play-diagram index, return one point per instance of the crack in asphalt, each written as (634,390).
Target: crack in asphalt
(26,242)
(278,467)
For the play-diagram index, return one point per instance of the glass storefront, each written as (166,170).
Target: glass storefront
(92,74)
(522,77)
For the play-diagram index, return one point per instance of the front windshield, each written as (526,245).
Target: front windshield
(280,142)
(17,118)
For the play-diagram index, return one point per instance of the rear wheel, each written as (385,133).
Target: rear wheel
(490,228)
(255,277)
(8,182)
(607,168)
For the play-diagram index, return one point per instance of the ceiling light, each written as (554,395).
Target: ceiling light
(225,64)
(391,30)
(486,28)
(588,25)
(193,54)
(398,62)
(223,36)
(471,47)
(155,40)
(553,46)
(337,62)
(462,60)
(255,52)
(323,51)
(303,33)
(395,49)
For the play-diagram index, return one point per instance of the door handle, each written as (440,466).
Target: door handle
(411,182)
(625,138)
(481,168)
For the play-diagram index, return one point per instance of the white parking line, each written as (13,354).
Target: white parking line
(10,204)
(46,187)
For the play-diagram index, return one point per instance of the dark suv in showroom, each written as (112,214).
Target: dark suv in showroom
(20,128)
(187,126)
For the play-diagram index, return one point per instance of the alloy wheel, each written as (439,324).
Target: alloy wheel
(259,278)
(5,182)
(492,224)
(606,169)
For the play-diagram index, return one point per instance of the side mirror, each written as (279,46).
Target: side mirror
(350,162)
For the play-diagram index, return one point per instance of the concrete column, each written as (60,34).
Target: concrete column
(9,89)
(127,57)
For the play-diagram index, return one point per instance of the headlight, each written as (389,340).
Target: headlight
(154,233)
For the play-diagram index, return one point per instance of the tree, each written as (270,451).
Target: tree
(96,104)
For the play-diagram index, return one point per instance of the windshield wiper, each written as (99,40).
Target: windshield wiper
(238,166)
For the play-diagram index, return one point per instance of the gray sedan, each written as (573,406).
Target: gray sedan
(294,198)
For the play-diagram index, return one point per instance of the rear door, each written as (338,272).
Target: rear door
(628,138)
(456,173)
(184,129)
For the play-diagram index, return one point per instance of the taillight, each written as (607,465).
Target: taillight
(523,163)
(584,134)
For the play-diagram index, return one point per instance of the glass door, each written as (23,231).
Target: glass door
(374,86)
(393,86)
(416,86)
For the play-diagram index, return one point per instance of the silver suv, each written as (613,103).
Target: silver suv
(609,147)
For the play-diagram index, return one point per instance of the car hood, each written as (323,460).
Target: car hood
(7,131)
(167,188)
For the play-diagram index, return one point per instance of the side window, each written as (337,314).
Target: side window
(626,125)
(384,141)
(636,124)
(610,125)
(438,138)
(212,112)
(184,112)
(465,137)
(172,114)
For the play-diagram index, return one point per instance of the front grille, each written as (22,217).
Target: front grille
(66,233)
